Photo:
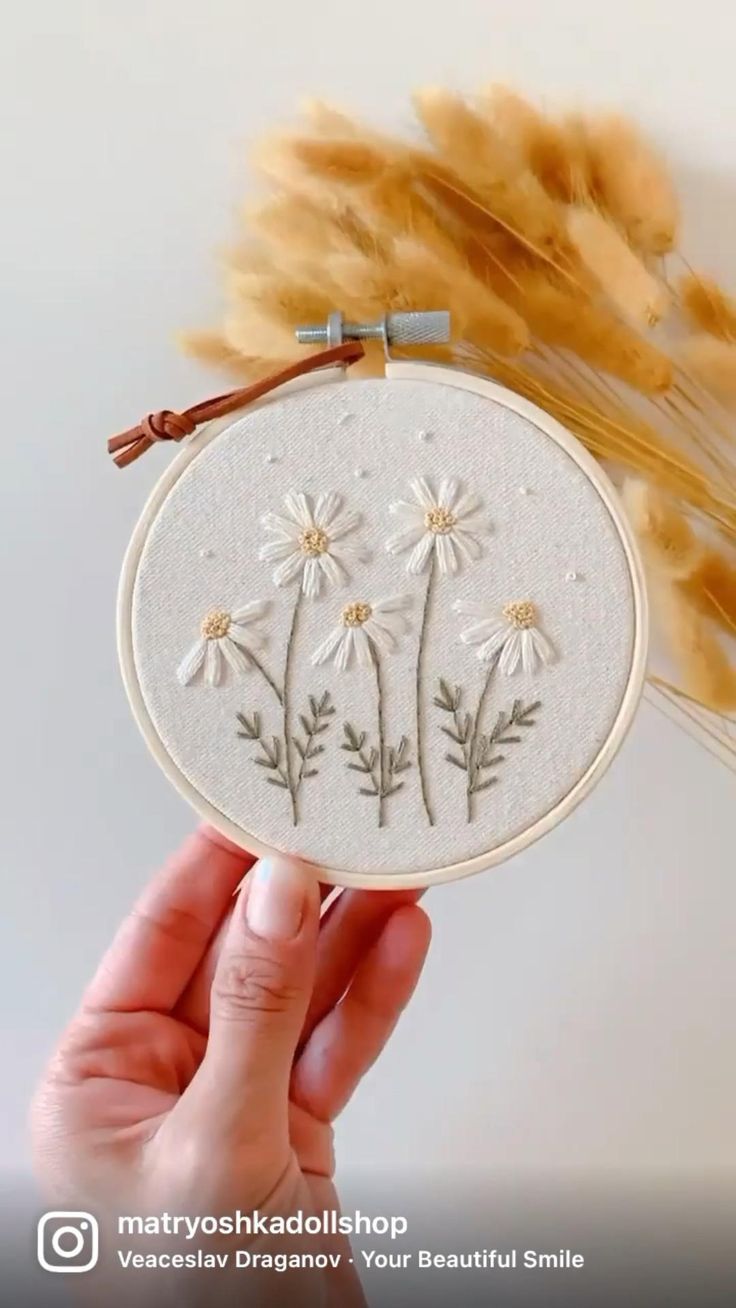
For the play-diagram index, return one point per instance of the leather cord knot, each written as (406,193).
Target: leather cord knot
(170,426)
(167,426)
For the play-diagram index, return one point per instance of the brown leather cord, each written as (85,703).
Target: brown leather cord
(168,426)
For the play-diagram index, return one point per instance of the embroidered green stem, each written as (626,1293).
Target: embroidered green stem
(381,742)
(286,706)
(473,759)
(266,675)
(314,725)
(477,747)
(250,729)
(420,689)
(383,764)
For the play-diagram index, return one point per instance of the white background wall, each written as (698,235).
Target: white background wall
(577,1009)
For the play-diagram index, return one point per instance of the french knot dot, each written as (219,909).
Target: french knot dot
(167,426)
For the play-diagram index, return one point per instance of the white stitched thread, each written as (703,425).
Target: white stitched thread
(363,624)
(515,640)
(303,544)
(227,639)
(442,524)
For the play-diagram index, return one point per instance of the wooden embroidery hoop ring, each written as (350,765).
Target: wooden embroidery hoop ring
(396,371)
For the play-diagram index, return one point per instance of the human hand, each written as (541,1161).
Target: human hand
(218,1041)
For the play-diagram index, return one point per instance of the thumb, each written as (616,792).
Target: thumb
(260,994)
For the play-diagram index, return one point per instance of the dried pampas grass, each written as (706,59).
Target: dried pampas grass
(678,564)
(713,363)
(708,307)
(638,295)
(542,234)
(632,183)
(555,152)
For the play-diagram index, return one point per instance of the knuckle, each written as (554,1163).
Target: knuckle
(247,984)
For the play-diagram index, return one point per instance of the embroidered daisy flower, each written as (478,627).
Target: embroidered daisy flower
(516,641)
(364,629)
(443,526)
(304,541)
(226,640)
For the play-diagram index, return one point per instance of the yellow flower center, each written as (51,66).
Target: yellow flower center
(354,615)
(215,625)
(314,541)
(440,521)
(520,614)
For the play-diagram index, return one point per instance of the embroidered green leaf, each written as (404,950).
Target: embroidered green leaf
(312,726)
(251,726)
(483,785)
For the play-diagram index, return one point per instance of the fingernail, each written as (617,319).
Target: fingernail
(276,897)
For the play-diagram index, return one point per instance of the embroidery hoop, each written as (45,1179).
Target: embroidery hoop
(396,371)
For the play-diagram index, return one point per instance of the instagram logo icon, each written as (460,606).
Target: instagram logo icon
(68,1242)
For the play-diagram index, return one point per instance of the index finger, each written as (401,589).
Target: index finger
(161,943)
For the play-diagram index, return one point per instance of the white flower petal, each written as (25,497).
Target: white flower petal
(300,509)
(468,546)
(332,569)
(393,623)
(510,659)
(449,488)
(283,526)
(420,554)
(289,569)
(472,609)
(343,523)
(213,663)
(249,637)
(467,503)
(312,578)
(404,539)
(324,651)
(496,641)
(392,604)
(381,635)
(362,647)
(410,512)
(192,662)
(251,612)
(482,631)
(446,557)
(472,523)
(326,508)
(345,652)
(529,659)
(234,655)
(422,492)
(277,549)
(542,647)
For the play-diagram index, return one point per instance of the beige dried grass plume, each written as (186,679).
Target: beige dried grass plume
(543,235)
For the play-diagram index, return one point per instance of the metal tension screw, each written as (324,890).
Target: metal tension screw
(418,327)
